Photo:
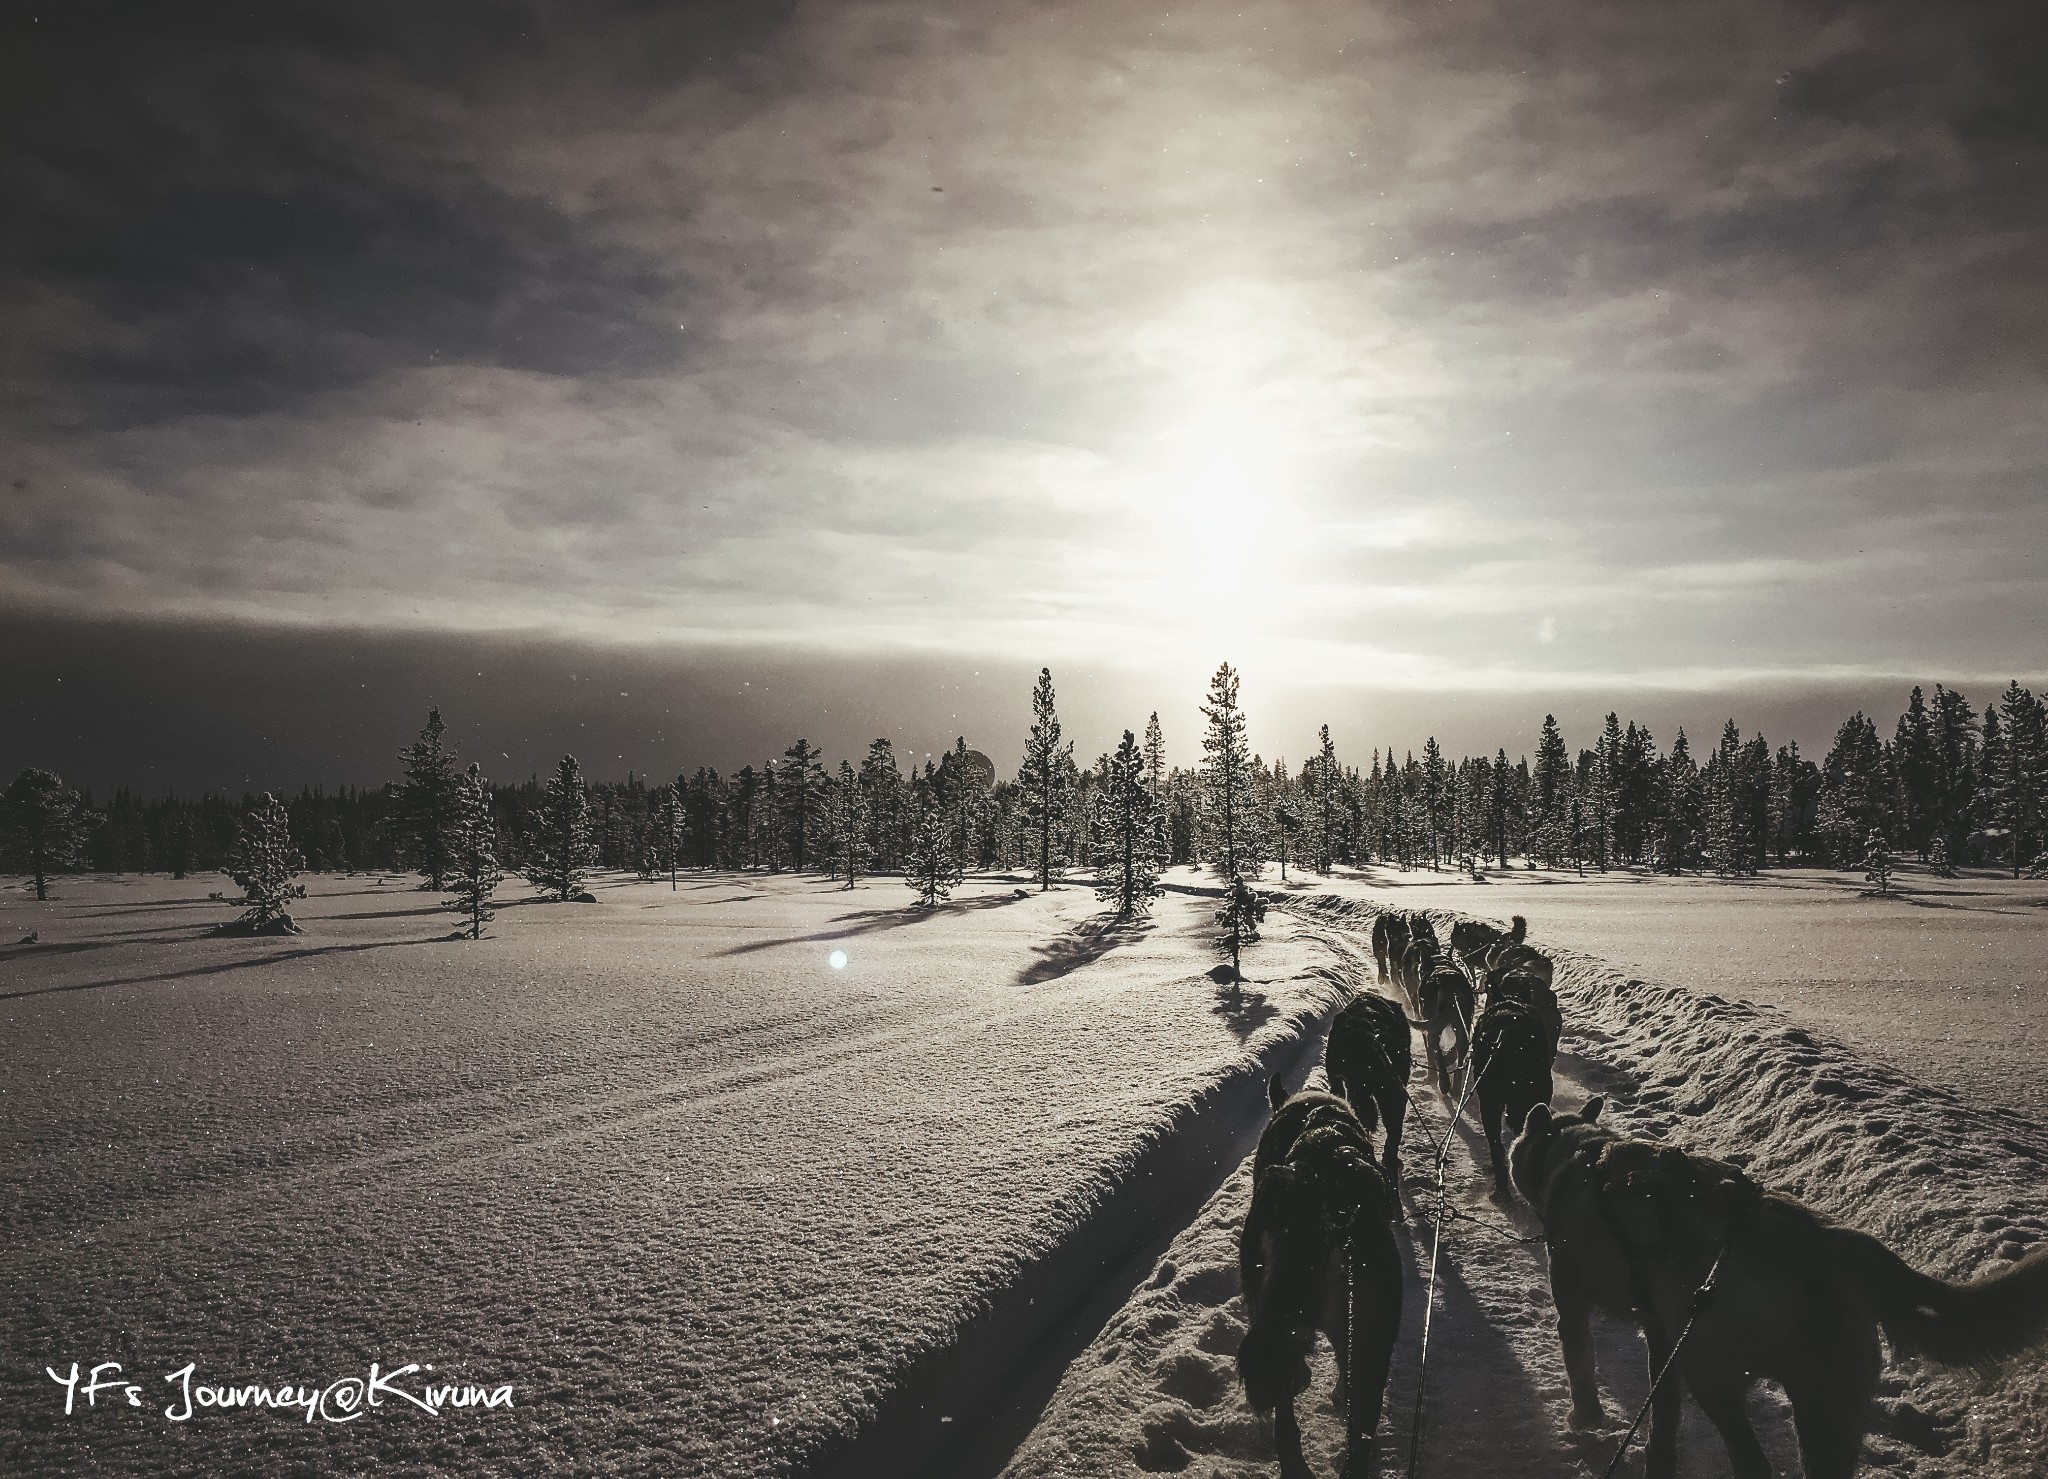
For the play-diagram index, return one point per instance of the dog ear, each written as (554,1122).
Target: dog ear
(1537,1120)
(1276,1092)
(1592,1108)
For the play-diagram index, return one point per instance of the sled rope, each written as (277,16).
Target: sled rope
(1702,1297)
(1436,1243)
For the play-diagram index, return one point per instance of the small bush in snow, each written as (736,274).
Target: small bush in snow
(263,862)
(1877,863)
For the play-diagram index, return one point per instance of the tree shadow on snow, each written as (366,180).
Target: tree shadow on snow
(216,969)
(1082,945)
(873,921)
(1248,1012)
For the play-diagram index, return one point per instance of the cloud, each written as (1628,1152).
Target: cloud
(1705,338)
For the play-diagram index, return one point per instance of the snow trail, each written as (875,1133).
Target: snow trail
(1952,1189)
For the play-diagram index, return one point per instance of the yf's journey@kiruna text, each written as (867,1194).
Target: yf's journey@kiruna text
(339,1401)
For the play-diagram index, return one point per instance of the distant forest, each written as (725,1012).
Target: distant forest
(1947,784)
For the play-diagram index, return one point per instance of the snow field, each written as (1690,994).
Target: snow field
(711,1205)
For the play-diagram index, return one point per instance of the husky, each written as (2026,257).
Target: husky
(1634,1227)
(1447,1009)
(1513,1050)
(1471,938)
(1390,931)
(1534,993)
(1513,958)
(1417,959)
(1317,1253)
(1368,1061)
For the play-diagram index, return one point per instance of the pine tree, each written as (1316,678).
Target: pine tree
(1436,799)
(1957,761)
(1127,858)
(1044,777)
(670,824)
(562,848)
(474,862)
(1155,758)
(881,784)
(43,827)
(1240,917)
(1856,788)
(933,870)
(1227,779)
(1877,863)
(1552,783)
(849,825)
(2016,773)
(263,862)
(800,787)
(1942,866)
(427,802)
(1678,808)
(1322,779)
(1918,764)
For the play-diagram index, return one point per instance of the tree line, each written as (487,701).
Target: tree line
(1948,784)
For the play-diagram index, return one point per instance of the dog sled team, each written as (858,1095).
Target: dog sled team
(1738,1281)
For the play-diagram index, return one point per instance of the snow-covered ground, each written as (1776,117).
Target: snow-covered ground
(704,1200)
(1946,980)
(712,1205)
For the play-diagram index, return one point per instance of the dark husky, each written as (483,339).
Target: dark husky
(1447,1007)
(1368,1061)
(1317,1253)
(1512,1052)
(1513,958)
(1534,993)
(1390,930)
(1633,1228)
(1472,938)
(1417,959)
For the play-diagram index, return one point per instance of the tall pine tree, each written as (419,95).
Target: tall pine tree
(43,827)
(1045,776)
(1129,834)
(561,848)
(1227,779)
(474,864)
(264,864)
(427,802)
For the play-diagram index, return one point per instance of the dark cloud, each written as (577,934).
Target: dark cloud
(1520,348)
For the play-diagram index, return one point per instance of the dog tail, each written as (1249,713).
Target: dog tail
(1971,1324)
(1521,930)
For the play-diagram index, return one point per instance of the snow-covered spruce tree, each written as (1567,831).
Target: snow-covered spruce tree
(667,824)
(1877,863)
(1155,759)
(1129,833)
(1227,801)
(43,827)
(1323,780)
(263,862)
(561,845)
(1240,917)
(933,870)
(881,784)
(426,803)
(849,825)
(800,784)
(1045,778)
(474,869)
(1939,858)
(1551,784)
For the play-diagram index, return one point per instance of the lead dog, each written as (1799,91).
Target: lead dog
(1317,1253)
(1633,1227)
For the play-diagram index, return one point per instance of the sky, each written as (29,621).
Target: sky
(1436,364)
